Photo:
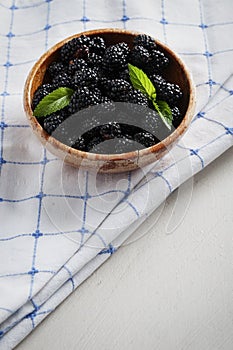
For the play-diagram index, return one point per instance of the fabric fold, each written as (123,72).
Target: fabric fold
(58,225)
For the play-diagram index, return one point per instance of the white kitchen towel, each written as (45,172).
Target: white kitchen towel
(59,224)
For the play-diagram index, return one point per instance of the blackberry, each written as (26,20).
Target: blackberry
(79,144)
(82,98)
(104,84)
(75,65)
(153,124)
(152,121)
(68,49)
(76,48)
(99,71)
(145,41)
(124,75)
(63,80)
(158,61)
(145,138)
(91,138)
(171,93)
(138,97)
(139,56)
(128,130)
(98,47)
(97,92)
(41,92)
(94,60)
(119,90)
(56,68)
(85,40)
(157,79)
(135,109)
(82,52)
(110,130)
(52,121)
(92,142)
(115,58)
(107,106)
(105,99)
(124,47)
(176,115)
(85,77)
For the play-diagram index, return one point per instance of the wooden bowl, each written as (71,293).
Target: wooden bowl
(112,163)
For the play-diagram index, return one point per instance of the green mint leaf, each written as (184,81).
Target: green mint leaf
(140,81)
(53,102)
(164,112)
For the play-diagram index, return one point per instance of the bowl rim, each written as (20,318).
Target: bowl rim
(157,148)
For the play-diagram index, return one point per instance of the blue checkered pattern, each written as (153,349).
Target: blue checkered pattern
(55,224)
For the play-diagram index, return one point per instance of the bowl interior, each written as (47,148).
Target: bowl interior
(176,73)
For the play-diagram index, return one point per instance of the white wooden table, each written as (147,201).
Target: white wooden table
(163,291)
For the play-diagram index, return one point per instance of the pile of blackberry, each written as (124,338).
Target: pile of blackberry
(99,75)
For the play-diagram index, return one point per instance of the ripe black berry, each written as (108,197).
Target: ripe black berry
(119,90)
(105,99)
(56,68)
(110,130)
(145,138)
(104,84)
(157,79)
(146,41)
(92,142)
(52,121)
(97,92)
(171,93)
(68,50)
(94,60)
(115,58)
(107,106)
(124,75)
(63,80)
(176,115)
(98,46)
(75,65)
(76,48)
(41,92)
(85,77)
(139,56)
(138,97)
(124,47)
(82,98)
(158,61)
(79,144)
(152,121)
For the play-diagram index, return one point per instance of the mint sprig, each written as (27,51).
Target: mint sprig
(164,112)
(53,102)
(142,82)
